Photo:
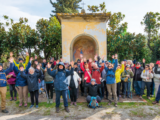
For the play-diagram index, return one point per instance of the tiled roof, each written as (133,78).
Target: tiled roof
(84,14)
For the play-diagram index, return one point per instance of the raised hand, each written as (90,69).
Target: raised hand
(85,60)
(90,59)
(31,59)
(102,57)
(95,57)
(11,60)
(11,54)
(81,56)
(122,62)
(116,56)
(144,60)
(35,57)
(61,60)
(49,65)
(81,60)
(112,56)
(72,63)
(27,54)
(57,61)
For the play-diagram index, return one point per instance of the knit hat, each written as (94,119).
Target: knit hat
(93,80)
(1,64)
(20,59)
(78,61)
(75,63)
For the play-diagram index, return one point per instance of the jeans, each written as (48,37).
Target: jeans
(64,95)
(89,99)
(41,85)
(100,92)
(158,95)
(148,85)
(137,87)
(12,89)
(34,94)
(118,88)
(127,87)
(152,87)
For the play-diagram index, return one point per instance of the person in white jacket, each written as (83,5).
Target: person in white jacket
(146,76)
(73,81)
(156,71)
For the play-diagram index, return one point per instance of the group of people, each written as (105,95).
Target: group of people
(95,79)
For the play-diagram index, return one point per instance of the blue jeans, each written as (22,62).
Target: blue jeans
(64,95)
(148,85)
(137,87)
(41,85)
(127,87)
(152,87)
(158,95)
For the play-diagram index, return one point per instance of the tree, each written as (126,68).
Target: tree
(95,8)
(50,37)
(66,6)
(152,26)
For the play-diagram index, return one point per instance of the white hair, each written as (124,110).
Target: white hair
(31,68)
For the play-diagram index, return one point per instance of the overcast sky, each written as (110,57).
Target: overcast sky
(134,10)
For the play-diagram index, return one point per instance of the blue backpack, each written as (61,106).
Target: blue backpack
(93,103)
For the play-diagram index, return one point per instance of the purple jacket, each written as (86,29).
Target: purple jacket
(12,80)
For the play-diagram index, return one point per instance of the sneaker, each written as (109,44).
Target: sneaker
(20,105)
(155,102)
(37,106)
(75,103)
(67,110)
(57,109)
(115,104)
(11,99)
(152,95)
(71,103)
(48,101)
(140,97)
(148,98)
(15,98)
(51,101)
(109,103)
(4,111)
(25,105)
(31,106)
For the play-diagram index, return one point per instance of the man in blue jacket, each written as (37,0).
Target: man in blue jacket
(60,83)
(3,84)
(111,82)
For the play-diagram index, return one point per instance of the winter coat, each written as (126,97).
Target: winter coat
(93,89)
(76,79)
(60,75)
(137,74)
(127,72)
(111,73)
(12,79)
(156,75)
(24,64)
(118,74)
(44,65)
(20,81)
(3,73)
(146,74)
(32,80)
(87,73)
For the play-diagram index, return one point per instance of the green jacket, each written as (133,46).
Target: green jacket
(127,72)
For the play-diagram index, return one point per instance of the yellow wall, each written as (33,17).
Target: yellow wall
(71,28)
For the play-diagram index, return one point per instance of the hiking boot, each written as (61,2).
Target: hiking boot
(71,103)
(67,110)
(129,96)
(155,102)
(57,109)
(37,106)
(20,105)
(31,106)
(15,98)
(149,98)
(4,111)
(109,103)
(25,105)
(48,101)
(115,104)
(75,103)
(11,99)
(140,97)
(51,101)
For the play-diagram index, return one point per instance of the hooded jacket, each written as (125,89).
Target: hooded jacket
(111,73)
(156,74)
(118,74)
(87,73)
(20,81)
(60,75)
(32,80)
(12,79)
(3,73)
(24,64)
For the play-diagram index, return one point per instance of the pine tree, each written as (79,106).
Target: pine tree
(66,6)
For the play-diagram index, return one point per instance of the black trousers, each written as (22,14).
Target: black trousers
(82,86)
(32,95)
(73,94)
(89,99)
(49,88)
(12,89)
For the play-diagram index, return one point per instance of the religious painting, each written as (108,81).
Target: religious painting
(84,46)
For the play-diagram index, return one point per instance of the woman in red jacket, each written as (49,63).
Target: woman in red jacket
(11,81)
(87,73)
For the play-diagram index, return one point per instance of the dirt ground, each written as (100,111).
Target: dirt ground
(82,112)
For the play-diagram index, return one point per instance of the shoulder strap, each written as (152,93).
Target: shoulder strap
(89,74)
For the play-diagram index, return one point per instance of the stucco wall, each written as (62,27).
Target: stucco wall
(76,26)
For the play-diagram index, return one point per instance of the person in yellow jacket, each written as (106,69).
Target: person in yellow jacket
(21,61)
(118,73)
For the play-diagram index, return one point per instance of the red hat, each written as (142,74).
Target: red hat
(158,62)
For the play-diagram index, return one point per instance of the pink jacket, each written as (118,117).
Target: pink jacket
(12,80)
(86,73)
